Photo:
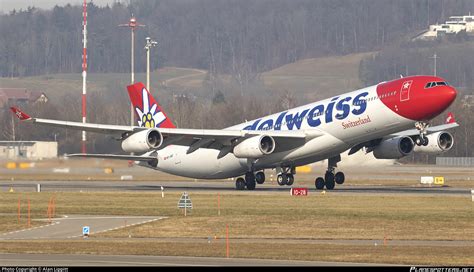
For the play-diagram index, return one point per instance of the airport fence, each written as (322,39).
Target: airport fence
(455,161)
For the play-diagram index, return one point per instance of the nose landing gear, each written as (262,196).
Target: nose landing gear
(421,139)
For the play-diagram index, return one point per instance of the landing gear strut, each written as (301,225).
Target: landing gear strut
(331,177)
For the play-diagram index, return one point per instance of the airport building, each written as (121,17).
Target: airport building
(455,25)
(31,150)
(20,97)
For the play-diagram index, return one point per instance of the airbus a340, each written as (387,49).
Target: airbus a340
(390,119)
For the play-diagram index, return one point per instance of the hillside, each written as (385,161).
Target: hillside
(314,78)
(317,77)
(57,85)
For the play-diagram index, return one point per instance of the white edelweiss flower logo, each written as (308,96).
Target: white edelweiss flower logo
(149,118)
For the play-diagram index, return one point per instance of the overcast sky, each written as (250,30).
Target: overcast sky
(8,5)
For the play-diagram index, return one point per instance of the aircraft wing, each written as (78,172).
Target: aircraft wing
(111,156)
(415,132)
(224,140)
(99,128)
(194,138)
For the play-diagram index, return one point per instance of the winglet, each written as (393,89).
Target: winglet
(450,119)
(21,115)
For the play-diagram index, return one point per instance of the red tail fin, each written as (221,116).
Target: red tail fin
(450,119)
(148,111)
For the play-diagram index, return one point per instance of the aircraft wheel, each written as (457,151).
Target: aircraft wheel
(319,183)
(251,185)
(250,181)
(282,179)
(240,184)
(329,178)
(290,179)
(339,178)
(260,177)
(418,141)
(425,141)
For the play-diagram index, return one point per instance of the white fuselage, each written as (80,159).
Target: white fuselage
(345,120)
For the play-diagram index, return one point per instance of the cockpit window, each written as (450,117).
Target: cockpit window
(434,84)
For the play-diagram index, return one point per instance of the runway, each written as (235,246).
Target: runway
(180,186)
(59,260)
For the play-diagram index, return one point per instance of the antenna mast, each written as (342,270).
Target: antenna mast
(84,73)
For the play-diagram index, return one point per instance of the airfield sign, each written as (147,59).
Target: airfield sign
(85,231)
(185,202)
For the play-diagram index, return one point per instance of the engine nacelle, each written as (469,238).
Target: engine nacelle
(142,141)
(438,142)
(394,148)
(255,147)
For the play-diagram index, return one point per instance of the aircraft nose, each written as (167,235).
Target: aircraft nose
(450,94)
(435,102)
(446,97)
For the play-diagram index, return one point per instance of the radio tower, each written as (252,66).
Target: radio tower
(84,73)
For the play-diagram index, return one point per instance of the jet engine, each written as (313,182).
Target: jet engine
(438,142)
(142,141)
(255,147)
(394,148)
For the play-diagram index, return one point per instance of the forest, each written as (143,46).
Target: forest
(238,39)
(228,36)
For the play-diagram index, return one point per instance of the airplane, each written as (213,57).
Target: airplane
(390,119)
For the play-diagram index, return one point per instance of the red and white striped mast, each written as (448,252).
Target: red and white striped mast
(84,73)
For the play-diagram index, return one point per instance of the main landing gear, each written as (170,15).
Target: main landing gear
(286,176)
(250,181)
(331,177)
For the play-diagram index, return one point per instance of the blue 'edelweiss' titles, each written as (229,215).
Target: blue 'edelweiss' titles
(313,116)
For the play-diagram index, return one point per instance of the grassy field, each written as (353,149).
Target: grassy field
(406,255)
(313,77)
(319,77)
(271,218)
(56,85)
